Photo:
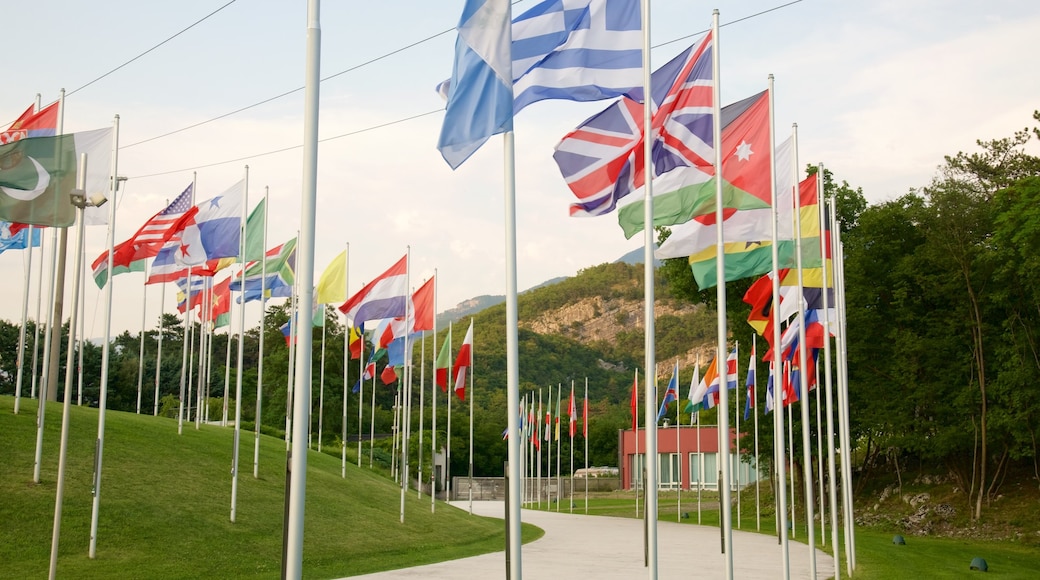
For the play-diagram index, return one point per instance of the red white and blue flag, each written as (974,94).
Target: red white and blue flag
(42,123)
(215,231)
(384,297)
(601,160)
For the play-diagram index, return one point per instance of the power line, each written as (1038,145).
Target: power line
(193,25)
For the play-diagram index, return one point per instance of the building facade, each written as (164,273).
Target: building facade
(687,458)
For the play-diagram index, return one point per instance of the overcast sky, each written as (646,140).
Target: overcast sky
(880,92)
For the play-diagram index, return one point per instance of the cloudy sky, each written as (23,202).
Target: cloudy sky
(880,92)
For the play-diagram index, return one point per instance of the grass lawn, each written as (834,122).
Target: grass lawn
(165,506)
(877,558)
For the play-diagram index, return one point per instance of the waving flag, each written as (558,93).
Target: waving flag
(601,160)
(383,297)
(216,229)
(692,403)
(332,286)
(17,240)
(389,375)
(442,363)
(370,371)
(42,123)
(280,272)
(634,402)
(422,307)
(670,394)
(572,413)
(585,415)
(750,384)
(463,361)
(160,228)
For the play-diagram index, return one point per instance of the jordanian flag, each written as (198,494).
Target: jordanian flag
(37,175)
(688,193)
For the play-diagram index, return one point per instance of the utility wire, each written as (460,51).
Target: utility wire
(387,124)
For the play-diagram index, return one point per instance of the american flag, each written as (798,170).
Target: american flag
(601,160)
(163,227)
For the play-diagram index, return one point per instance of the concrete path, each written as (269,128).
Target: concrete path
(607,548)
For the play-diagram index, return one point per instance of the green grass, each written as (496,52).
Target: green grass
(165,506)
(877,558)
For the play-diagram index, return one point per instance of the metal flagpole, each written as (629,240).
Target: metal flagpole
(140,357)
(754,413)
(585,435)
(191,350)
(241,346)
(778,417)
(293,331)
(721,357)
(204,334)
(106,347)
(258,416)
(559,445)
(570,494)
(372,422)
(406,380)
(637,474)
(514,441)
(211,331)
(828,380)
(422,401)
(843,390)
(21,331)
(321,382)
(433,412)
(790,446)
(736,413)
(549,461)
(539,435)
(70,358)
(36,326)
(187,325)
(305,280)
(82,336)
(227,377)
(361,394)
(346,360)
(819,459)
(678,453)
(447,462)
(158,351)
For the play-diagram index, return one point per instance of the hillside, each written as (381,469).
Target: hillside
(165,506)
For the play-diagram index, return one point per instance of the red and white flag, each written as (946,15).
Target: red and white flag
(463,361)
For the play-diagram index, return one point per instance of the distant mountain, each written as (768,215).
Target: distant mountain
(636,257)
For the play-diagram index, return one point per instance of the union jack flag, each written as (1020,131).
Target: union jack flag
(602,161)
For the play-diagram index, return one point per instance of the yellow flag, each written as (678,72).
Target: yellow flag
(332,286)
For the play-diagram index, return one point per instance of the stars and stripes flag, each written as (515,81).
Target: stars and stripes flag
(601,159)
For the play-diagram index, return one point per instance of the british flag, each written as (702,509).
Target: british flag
(602,161)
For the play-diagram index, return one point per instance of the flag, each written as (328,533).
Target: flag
(601,160)
(689,191)
(280,273)
(585,415)
(671,393)
(383,297)
(355,342)
(463,360)
(548,416)
(634,403)
(17,240)
(692,403)
(189,297)
(748,213)
(100,267)
(31,123)
(480,99)
(369,372)
(220,303)
(579,50)
(332,286)
(422,307)
(159,229)
(749,401)
(388,375)
(442,363)
(572,413)
(37,174)
(769,391)
(255,232)
(215,231)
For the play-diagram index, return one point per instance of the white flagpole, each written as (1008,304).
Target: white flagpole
(79,359)
(447,462)
(187,325)
(263,326)
(819,459)
(106,347)
(648,301)
(700,456)
(638,475)
(372,422)
(406,380)
(191,348)
(514,428)
(790,446)
(158,351)
(539,435)
(570,494)
(433,412)
(828,380)
(70,358)
(361,396)
(678,453)
(36,326)
(513,553)
(422,410)
(736,420)
(395,429)
(21,331)
(585,433)
(140,356)
(293,331)
(720,268)
(548,461)
(559,446)
(754,413)
(211,331)
(321,383)
(778,418)
(227,375)
(241,346)
(807,470)
(304,279)
(51,341)
(205,297)
(346,361)
(843,391)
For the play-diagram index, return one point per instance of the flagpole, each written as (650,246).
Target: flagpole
(79,358)
(263,331)
(158,351)
(513,553)
(790,446)
(227,377)
(638,476)
(539,435)
(433,411)
(51,342)
(321,381)
(346,358)
(828,379)
(140,357)
(843,394)
(549,458)
(21,330)
(778,418)
(819,458)
(241,345)
(191,352)
(293,309)
(559,446)
(106,347)
(422,410)
(736,422)
(803,375)
(447,463)
(205,297)
(405,381)
(187,325)
(585,433)
(372,421)
(36,326)
(754,413)
(512,429)
(361,394)
(678,493)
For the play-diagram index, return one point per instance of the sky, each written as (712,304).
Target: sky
(880,92)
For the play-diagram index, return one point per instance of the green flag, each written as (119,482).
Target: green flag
(38,173)
(255,232)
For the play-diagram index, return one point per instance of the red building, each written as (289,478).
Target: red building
(687,457)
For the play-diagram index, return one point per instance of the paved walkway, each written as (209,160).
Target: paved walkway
(607,548)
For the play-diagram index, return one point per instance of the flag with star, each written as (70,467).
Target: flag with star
(688,193)
(215,230)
